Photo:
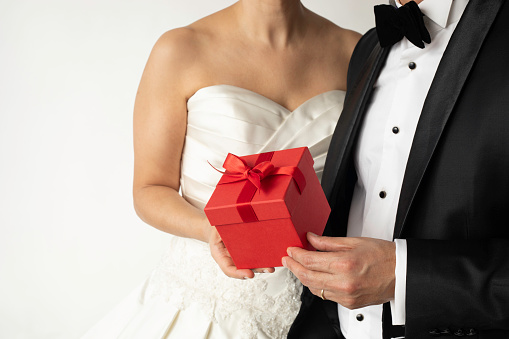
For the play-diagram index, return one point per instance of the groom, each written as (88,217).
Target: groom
(420,156)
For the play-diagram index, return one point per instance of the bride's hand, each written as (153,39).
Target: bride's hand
(225,262)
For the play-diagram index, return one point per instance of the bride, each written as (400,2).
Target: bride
(260,75)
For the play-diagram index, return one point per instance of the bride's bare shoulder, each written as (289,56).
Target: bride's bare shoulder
(180,54)
(176,45)
(179,44)
(196,35)
(184,46)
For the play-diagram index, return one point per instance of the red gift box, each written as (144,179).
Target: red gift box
(265,203)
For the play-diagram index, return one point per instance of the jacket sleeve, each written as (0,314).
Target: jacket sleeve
(457,284)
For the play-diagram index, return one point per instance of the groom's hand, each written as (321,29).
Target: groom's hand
(354,272)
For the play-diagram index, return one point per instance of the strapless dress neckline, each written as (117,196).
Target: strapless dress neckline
(232,88)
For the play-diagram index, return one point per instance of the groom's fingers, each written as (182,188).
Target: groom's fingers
(327,262)
(309,278)
(327,295)
(330,244)
(335,286)
(312,260)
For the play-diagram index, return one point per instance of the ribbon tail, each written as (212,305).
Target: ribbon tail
(295,173)
(215,168)
(255,180)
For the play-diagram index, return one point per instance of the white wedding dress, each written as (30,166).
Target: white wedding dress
(187,295)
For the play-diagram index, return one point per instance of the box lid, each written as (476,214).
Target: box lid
(277,197)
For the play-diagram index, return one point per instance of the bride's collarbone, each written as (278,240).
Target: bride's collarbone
(288,88)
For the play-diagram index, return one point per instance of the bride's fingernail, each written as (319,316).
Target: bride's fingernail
(266,271)
(245,278)
(312,234)
(283,261)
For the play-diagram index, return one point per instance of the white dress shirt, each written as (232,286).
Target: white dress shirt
(381,153)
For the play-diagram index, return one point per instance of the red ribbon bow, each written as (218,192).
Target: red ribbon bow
(238,170)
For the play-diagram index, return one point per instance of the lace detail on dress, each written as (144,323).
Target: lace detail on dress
(188,274)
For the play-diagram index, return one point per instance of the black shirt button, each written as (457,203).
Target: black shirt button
(382,194)
(359,317)
(459,333)
(435,332)
(471,332)
(395,130)
(412,65)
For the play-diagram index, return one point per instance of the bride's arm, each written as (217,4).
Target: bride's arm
(160,117)
(160,120)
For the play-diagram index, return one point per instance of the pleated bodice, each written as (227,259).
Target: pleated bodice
(226,119)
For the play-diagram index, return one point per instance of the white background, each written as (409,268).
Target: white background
(71,246)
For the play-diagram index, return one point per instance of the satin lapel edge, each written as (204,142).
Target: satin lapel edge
(345,134)
(356,101)
(452,72)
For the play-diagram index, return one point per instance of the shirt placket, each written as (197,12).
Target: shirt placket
(397,139)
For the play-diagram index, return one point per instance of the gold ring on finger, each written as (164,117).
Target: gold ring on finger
(322,296)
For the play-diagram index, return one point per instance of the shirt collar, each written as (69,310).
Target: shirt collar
(442,12)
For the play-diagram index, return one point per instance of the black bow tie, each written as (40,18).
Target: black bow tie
(392,24)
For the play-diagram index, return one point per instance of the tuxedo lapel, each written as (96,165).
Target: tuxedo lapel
(351,117)
(445,89)
(360,87)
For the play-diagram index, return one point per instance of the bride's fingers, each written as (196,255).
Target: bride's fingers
(229,268)
(264,270)
(222,257)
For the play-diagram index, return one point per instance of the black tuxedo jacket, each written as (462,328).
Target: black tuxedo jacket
(454,204)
